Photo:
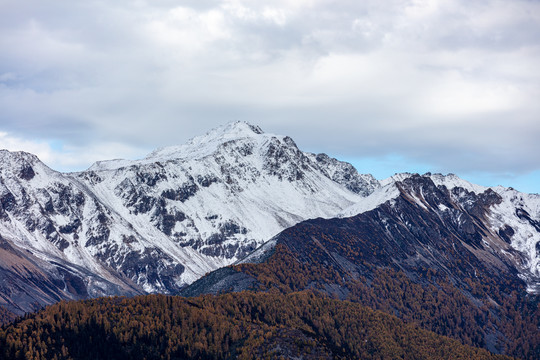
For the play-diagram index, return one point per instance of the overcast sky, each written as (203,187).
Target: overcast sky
(391,86)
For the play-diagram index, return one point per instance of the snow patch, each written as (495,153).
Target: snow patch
(378,197)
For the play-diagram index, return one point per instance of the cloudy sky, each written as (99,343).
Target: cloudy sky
(391,86)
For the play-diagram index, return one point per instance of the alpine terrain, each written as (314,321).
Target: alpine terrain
(297,247)
(157,224)
(459,259)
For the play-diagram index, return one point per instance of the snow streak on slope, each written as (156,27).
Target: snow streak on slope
(379,196)
(516,219)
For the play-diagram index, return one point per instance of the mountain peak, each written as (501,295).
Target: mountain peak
(203,145)
(20,164)
(241,126)
(388,189)
(6,155)
(230,131)
(449,180)
(197,147)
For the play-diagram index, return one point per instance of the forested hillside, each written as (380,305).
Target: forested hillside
(432,302)
(242,325)
(6,316)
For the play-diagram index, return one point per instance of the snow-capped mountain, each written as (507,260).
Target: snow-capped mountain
(226,192)
(511,220)
(157,224)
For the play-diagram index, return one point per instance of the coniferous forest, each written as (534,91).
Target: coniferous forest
(243,325)
(496,317)
(6,316)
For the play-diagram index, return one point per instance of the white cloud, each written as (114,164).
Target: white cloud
(39,148)
(66,158)
(433,81)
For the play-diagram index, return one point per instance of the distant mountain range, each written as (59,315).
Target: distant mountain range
(253,212)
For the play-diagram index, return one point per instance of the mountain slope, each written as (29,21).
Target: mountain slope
(511,219)
(435,250)
(226,192)
(48,229)
(157,224)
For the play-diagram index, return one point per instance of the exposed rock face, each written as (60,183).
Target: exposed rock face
(157,224)
(28,282)
(499,225)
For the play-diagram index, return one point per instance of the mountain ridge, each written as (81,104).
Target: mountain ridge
(159,223)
